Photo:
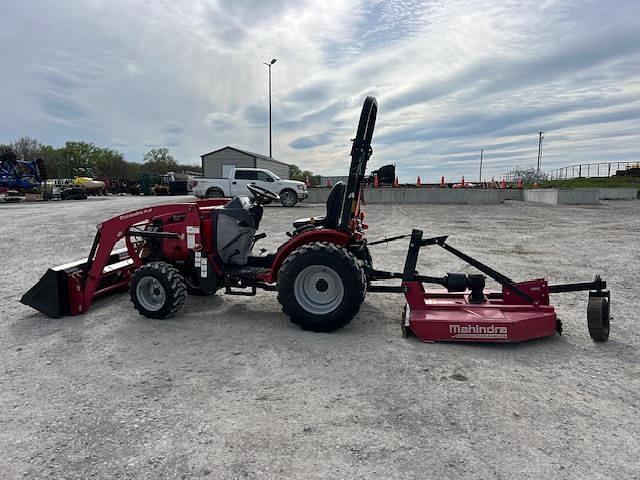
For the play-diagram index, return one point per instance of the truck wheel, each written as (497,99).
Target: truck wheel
(288,198)
(598,318)
(321,287)
(157,290)
(214,193)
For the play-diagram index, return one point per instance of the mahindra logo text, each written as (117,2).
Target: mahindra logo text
(134,214)
(478,331)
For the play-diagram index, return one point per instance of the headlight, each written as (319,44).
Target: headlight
(301,187)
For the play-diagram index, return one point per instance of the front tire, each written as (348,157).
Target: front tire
(321,287)
(157,290)
(288,198)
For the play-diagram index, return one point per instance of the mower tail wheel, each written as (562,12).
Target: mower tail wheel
(598,318)
(157,290)
(321,287)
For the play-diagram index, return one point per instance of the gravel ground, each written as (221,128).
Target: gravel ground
(231,389)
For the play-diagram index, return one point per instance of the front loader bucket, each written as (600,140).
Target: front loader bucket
(51,294)
(61,290)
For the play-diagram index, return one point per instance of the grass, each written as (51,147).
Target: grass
(607,182)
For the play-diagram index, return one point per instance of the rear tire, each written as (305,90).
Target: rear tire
(157,290)
(598,318)
(288,198)
(214,193)
(321,287)
(192,282)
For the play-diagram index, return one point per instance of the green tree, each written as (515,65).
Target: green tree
(78,159)
(296,174)
(53,160)
(109,163)
(159,160)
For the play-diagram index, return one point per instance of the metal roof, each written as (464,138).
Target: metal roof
(246,152)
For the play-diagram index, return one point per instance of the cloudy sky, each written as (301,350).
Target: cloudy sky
(451,77)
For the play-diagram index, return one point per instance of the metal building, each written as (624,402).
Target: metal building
(218,163)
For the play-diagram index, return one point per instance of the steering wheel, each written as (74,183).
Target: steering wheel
(262,195)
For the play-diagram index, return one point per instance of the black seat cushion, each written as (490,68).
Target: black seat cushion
(335,200)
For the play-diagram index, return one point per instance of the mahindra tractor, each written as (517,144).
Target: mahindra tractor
(321,273)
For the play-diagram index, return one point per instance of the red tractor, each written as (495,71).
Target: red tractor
(322,273)
(201,247)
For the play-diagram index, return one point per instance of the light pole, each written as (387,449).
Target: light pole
(269,65)
(480,177)
(540,137)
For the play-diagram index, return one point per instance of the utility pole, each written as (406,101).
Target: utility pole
(540,137)
(270,144)
(480,177)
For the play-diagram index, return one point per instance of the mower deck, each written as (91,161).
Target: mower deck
(448,316)
(466,312)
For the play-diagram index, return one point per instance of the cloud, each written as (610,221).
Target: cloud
(451,78)
(310,141)
(173,128)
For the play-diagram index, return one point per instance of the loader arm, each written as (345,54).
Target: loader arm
(71,288)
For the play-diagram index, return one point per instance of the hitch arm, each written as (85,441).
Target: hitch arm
(412,260)
(598,284)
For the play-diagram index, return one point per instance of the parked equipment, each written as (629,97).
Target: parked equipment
(321,273)
(386,176)
(629,171)
(21,176)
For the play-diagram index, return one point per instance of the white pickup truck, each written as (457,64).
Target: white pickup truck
(290,191)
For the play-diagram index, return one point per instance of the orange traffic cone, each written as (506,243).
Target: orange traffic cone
(376,182)
(418,182)
(442,181)
(396,183)
(520,183)
(503,184)
(329,182)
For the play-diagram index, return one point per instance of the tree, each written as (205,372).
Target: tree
(78,159)
(109,163)
(159,160)
(53,159)
(296,174)
(26,148)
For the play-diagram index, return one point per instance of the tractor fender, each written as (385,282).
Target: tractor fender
(321,235)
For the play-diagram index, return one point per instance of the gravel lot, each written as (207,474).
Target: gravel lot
(231,389)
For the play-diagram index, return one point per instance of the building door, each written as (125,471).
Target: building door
(226,170)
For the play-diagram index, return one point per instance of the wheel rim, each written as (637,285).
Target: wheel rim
(151,294)
(287,198)
(318,289)
(213,194)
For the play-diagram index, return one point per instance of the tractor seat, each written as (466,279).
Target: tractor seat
(334,208)
(302,222)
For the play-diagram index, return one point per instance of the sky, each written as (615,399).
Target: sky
(451,78)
